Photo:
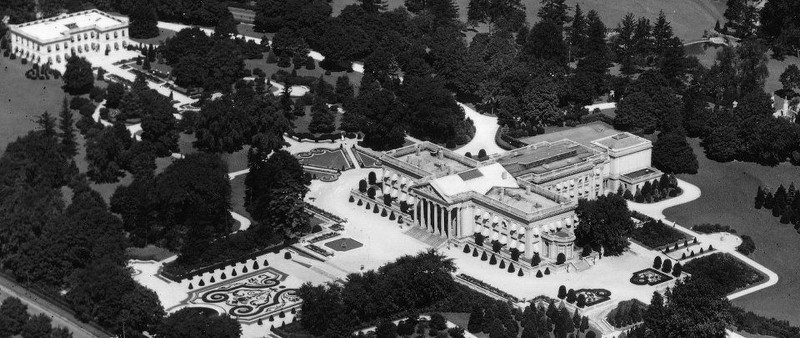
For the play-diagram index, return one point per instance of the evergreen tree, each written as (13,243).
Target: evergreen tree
(66,124)
(476,320)
(759,198)
(768,200)
(787,216)
(577,33)
(78,77)
(657,263)
(562,292)
(667,266)
(677,269)
(47,123)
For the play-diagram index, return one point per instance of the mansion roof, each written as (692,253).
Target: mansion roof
(60,27)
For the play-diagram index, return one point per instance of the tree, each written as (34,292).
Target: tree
(160,128)
(37,326)
(114,93)
(673,154)
(635,112)
(344,91)
(562,292)
(432,112)
(143,21)
(67,134)
(556,11)
(475,323)
(657,263)
(790,78)
(604,222)
(78,77)
(667,266)
(104,154)
(546,43)
(677,269)
(274,194)
(188,322)
(15,313)
(438,321)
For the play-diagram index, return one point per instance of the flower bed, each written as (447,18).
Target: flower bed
(594,296)
(489,287)
(324,237)
(337,227)
(650,277)
(317,210)
(319,250)
(656,235)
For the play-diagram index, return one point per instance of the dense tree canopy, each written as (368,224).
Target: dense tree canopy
(143,21)
(188,322)
(78,77)
(672,154)
(604,222)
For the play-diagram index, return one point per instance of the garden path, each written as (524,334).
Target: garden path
(721,241)
(485,131)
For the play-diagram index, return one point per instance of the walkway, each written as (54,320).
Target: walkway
(720,242)
(485,131)
(60,316)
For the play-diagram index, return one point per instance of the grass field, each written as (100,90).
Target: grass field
(688,17)
(728,190)
(22,100)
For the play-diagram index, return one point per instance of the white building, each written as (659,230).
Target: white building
(53,40)
(524,198)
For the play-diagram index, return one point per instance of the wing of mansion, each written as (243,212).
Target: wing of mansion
(524,198)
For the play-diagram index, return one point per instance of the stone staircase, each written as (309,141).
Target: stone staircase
(422,235)
(581,265)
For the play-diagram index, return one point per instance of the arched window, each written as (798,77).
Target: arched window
(107,37)
(123,32)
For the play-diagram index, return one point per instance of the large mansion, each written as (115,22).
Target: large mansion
(524,198)
(53,40)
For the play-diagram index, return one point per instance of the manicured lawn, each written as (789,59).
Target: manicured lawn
(728,190)
(332,159)
(163,35)
(344,244)
(23,100)
(688,17)
(654,235)
(150,252)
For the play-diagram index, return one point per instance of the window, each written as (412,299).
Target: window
(85,35)
(107,37)
(115,35)
(123,32)
(65,45)
(91,34)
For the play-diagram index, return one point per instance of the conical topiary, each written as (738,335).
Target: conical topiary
(492,260)
(202,283)
(255,265)
(502,264)
(512,269)
(367,206)
(484,256)
(190,286)
(539,274)
(466,248)
(233,273)
(260,322)
(265,262)
(520,273)
(223,276)
(383,213)
(287,255)
(212,280)
(281,315)
(351,200)
(475,252)
(375,209)
(546,271)
(360,203)
(244,269)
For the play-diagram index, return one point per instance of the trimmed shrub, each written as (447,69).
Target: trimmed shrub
(493,260)
(502,264)
(511,268)
(521,274)
(571,298)
(667,266)
(475,252)
(581,302)
(539,274)
(287,255)
(546,271)
(351,199)
(484,257)
(466,248)
(562,292)
(561,258)
(657,263)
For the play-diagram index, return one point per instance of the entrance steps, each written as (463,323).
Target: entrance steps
(422,235)
(581,265)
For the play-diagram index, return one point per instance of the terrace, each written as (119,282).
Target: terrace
(544,158)
(520,199)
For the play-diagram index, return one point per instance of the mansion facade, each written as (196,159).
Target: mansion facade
(53,40)
(524,198)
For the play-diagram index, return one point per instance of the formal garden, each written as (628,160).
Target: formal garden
(653,191)
(335,159)
(250,298)
(656,235)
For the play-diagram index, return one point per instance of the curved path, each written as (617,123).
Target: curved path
(485,130)
(691,193)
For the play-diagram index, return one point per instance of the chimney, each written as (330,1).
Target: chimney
(418,150)
(440,154)
(504,175)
